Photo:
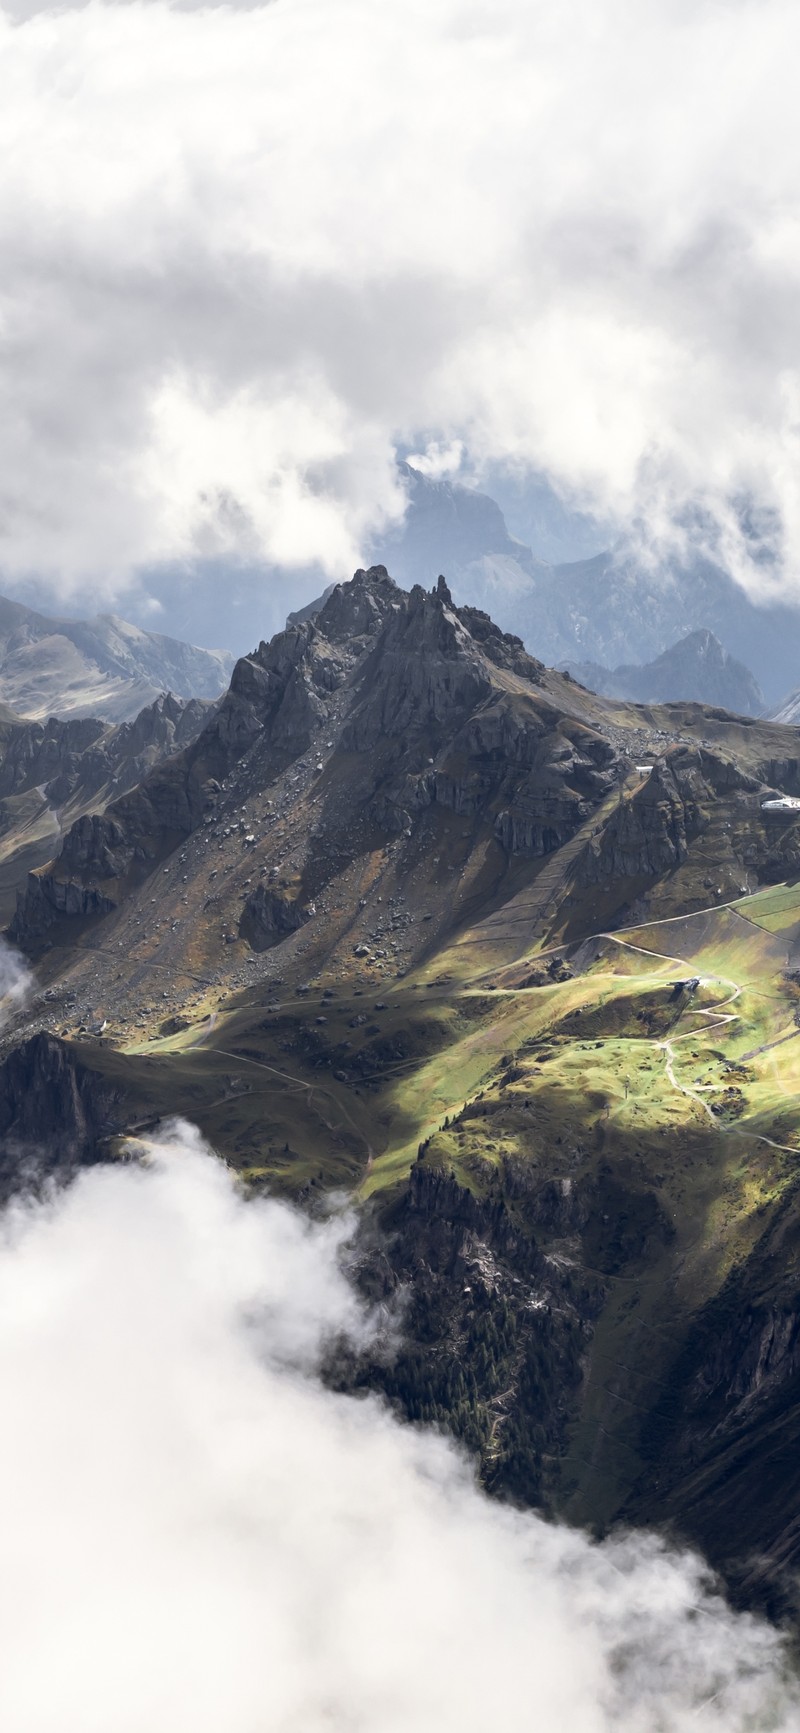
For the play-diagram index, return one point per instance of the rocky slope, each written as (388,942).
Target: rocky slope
(427,709)
(52,771)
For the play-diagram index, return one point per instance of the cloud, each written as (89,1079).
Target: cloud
(437,460)
(197,1534)
(16,981)
(247,250)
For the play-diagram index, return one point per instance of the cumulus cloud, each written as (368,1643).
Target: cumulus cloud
(197,1534)
(248,250)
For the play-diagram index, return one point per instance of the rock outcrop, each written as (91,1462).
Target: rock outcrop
(83,755)
(270,914)
(54,1113)
(650,833)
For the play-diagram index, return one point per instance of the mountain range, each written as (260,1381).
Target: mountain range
(411,915)
(619,606)
(100,667)
(575,590)
(696,667)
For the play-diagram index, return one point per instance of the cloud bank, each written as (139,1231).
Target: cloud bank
(197,1534)
(246,250)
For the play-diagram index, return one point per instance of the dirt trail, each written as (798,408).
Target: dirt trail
(718,1017)
(311,1090)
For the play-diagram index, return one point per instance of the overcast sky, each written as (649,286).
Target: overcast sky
(247,251)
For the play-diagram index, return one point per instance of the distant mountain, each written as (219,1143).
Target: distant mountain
(788,710)
(524,556)
(102,667)
(535,514)
(463,533)
(613,608)
(456,525)
(696,668)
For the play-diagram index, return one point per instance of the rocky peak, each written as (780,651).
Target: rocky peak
(406,681)
(424,675)
(358,609)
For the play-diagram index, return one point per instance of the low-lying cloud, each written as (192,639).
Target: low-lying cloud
(198,1535)
(248,249)
(16,981)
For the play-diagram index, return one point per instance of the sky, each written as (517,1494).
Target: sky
(198,1535)
(248,252)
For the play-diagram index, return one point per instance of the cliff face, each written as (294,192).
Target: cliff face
(651,833)
(720,1444)
(528,1333)
(503,1289)
(54,1112)
(80,757)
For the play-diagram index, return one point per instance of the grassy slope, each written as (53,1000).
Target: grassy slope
(568,1077)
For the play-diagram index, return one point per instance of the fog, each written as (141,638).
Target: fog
(198,1535)
(248,250)
(16,981)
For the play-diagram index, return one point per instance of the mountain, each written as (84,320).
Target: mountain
(101,667)
(456,525)
(788,710)
(613,609)
(457,530)
(697,667)
(515,965)
(556,530)
(50,772)
(549,578)
(616,607)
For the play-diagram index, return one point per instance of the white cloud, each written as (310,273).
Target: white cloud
(246,250)
(197,1535)
(439,460)
(16,981)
